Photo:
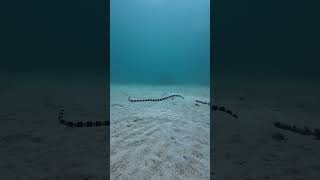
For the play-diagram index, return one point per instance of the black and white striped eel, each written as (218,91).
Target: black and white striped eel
(218,108)
(107,123)
(302,131)
(159,99)
(214,107)
(80,123)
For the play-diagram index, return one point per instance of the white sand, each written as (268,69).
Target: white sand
(34,146)
(245,149)
(159,140)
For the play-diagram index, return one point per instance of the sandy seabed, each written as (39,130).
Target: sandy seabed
(244,148)
(159,140)
(34,146)
(168,139)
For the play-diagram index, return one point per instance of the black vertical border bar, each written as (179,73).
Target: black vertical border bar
(107,55)
(211,90)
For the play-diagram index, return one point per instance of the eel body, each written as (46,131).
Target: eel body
(218,108)
(107,123)
(80,123)
(302,131)
(155,100)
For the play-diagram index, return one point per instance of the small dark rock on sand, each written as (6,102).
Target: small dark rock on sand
(137,120)
(279,137)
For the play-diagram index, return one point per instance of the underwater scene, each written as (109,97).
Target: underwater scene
(266,70)
(160,89)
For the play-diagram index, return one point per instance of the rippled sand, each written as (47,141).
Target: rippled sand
(159,140)
(33,145)
(245,147)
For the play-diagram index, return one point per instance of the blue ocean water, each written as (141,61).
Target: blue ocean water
(160,41)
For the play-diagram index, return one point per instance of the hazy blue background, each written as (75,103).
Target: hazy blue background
(157,41)
(266,38)
(53,36)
